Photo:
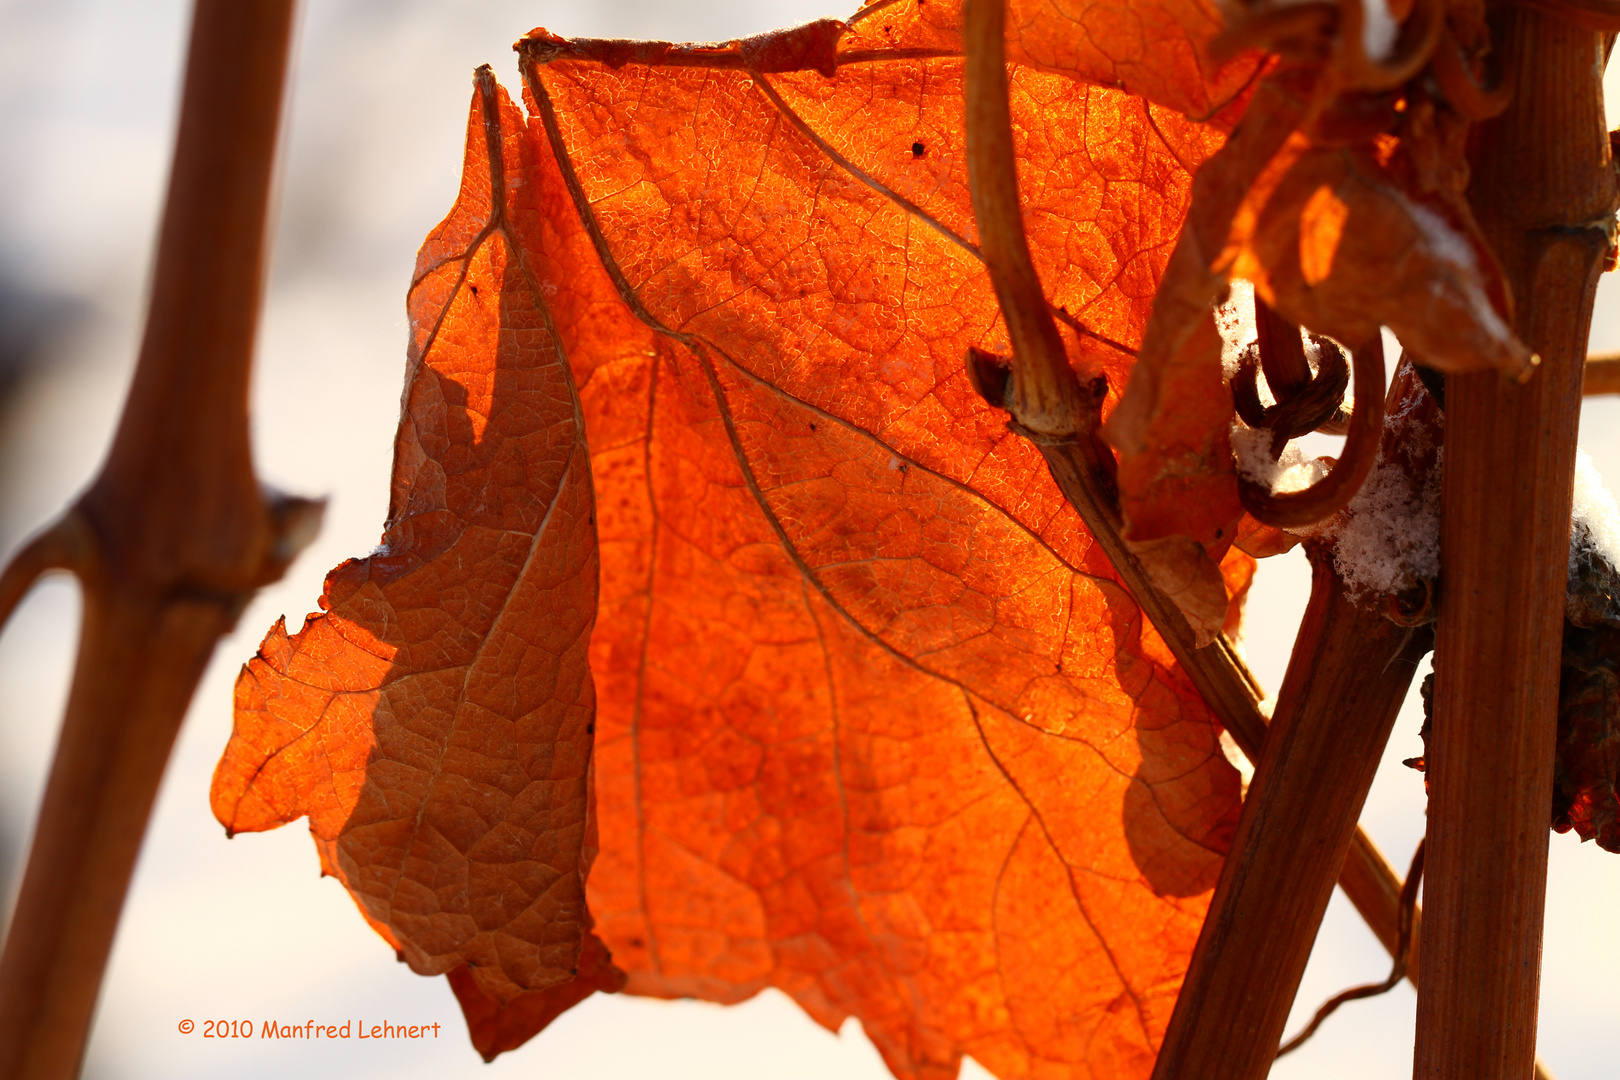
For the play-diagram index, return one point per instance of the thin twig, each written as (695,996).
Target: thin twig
(63,546)
(1397,971)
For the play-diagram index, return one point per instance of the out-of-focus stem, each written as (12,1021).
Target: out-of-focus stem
(1601,374)
(169,542)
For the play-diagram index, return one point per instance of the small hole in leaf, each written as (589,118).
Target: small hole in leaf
(918,149)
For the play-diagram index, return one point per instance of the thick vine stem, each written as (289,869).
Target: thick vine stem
(1045,394)
(1542,175)
(169,542)
(1293,509)
(1346,680)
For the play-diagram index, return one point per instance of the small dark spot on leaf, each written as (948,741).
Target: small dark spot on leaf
(812,425)
(474,289)
(590,728)
(918,149)
(1219,533)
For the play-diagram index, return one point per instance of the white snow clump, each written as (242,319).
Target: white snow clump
(1388,538)
(1595,527)
(1235,321)
(1292,472)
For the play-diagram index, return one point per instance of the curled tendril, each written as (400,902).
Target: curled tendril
(1416,43)
(1315,404)
(1320,32)
(1454,75)
(1337,424)
(1294,509)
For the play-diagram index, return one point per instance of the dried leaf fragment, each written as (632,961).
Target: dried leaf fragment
(1338,197)
(496,1027)
(1586,764)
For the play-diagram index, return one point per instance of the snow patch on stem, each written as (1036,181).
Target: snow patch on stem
(1595,523)
(1293,471)
(1234,319)
(1388,538)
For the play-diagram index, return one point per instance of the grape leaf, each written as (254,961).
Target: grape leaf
(877,724)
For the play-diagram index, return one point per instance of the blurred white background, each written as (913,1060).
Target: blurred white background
(246,929)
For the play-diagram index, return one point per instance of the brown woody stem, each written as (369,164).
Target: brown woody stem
(169,542)
(1346,680)
(1045,395)
(1542,182)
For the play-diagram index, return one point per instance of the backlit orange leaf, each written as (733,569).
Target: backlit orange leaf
(877,724)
